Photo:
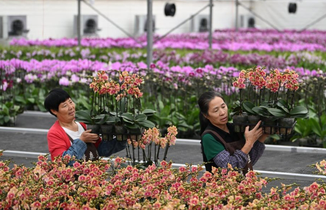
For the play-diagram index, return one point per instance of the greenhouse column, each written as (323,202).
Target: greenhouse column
(149,32)
(236,14)
(210,22)
(78,22)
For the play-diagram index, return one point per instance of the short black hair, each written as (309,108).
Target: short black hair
(54,99)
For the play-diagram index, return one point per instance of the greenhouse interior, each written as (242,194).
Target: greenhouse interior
(152,104)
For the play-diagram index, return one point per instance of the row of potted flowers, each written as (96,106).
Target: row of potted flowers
(245,40)
(308,60)
(113,184)
(179,83)
(79,70)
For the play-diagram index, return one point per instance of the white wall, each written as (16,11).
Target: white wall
(276,12)
(54,18)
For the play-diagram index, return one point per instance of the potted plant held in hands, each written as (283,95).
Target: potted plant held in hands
(116,105)
(270,97)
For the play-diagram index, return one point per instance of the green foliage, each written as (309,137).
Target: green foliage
(138,120)
(303,129)
(87,117)
(281,110)
(8,113)
(319,126)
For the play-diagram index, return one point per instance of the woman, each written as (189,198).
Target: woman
(220,144)
(69,137)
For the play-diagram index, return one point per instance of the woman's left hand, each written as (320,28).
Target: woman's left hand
(89,137)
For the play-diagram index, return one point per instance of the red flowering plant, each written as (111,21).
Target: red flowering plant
(270,96)
(116,101)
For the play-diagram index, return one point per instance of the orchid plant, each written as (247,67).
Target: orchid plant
(150,138)
(116,101)
(271,97)
(269,93)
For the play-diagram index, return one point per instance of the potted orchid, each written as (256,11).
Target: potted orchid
(270,96)
(116,105)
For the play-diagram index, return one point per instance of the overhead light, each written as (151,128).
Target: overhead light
(169,9)
(292,7)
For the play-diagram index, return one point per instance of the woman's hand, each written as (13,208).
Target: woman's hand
(89,137)
(263,137)
(254,134)
(251,137)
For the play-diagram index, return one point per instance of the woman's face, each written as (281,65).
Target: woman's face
(66,111)
(217,112)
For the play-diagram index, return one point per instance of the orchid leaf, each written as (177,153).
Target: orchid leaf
(128,117)
(261,111)
(283,105)
(149,112)
(279,113)
(140,117)
(248,106)
(299,112)
(147,124)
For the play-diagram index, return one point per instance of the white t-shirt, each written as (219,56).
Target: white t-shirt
(75,134)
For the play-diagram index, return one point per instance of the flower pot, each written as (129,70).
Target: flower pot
(269,125)
(95,128)
(240,122)
(135,134)
(121,132)
(253,120)
(286,125)
(107,132)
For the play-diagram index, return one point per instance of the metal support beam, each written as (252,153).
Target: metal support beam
(183,22)
(236,15)
(149,32)
(78,22)
(210,23)
(106,18)
(312,23)
(256,15)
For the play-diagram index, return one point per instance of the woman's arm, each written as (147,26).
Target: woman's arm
(238,160)
(256,152)
(77,149)
(59,145)
(214,150)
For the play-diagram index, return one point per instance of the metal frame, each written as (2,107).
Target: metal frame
(150,41)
